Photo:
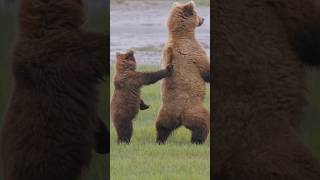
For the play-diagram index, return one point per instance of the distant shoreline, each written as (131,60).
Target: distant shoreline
(147,34)
(198,2)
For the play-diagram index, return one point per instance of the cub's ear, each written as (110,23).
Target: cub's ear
(130,52)
(118,54)
(188,9)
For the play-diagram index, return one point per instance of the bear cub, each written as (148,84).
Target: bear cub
(126,100)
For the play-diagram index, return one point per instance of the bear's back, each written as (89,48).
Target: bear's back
(186,80)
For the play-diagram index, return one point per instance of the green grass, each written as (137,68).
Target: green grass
(144,159)
(6,38)
(311,124)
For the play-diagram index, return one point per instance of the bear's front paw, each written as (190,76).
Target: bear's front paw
(169,69)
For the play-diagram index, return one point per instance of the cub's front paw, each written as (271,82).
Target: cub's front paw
(169,69)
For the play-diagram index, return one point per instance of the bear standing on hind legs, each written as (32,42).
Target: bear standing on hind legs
(126,101)
(260,48)
(183,93)
(52,126)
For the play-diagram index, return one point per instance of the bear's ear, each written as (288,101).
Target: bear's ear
(130,52)
(188,9)
(118,54)
(193,4)
(175,4)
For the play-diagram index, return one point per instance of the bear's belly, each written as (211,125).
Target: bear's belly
(124,101)
(179,89)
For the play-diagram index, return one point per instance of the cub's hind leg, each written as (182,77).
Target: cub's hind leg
(123,128)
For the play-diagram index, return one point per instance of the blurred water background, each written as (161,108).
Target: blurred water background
(141,25)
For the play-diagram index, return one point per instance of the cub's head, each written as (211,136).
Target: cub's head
(125,62)
(38,16)
(184,18)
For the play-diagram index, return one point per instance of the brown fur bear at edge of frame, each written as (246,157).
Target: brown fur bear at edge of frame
(52,126)
(260,50)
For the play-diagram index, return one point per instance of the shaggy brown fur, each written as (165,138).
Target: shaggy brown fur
(126,100)
(52,125)
(183,93)
(259,48)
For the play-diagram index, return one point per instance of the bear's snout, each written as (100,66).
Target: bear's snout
(201,20)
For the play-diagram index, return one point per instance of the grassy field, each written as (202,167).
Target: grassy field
(144,159)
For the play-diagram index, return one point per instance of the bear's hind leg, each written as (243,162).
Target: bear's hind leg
(197,119)
(124,131)
(164,126)
(163,133)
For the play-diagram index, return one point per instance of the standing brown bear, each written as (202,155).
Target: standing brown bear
(126,99)
(183,93)
(259,48)
(52,124)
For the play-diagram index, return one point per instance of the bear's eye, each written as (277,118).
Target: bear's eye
(129,58)
(187,12)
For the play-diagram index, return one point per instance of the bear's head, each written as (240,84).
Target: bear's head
(184,18)
(125,61)
(301,21)
(39,16)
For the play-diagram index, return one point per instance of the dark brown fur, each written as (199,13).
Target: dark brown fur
(52,125)
(126,100)
(259,49)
